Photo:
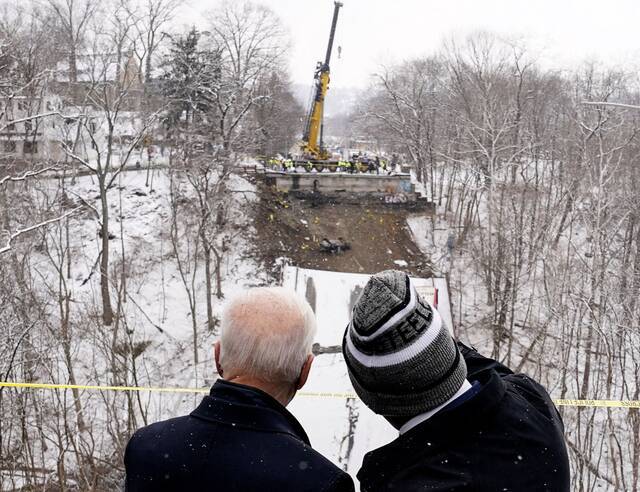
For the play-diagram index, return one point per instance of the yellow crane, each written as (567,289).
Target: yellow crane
(312,146)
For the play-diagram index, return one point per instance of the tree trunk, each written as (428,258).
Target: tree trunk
(209,293)
(73,67)
(218,256)
(147,68)
(107,310)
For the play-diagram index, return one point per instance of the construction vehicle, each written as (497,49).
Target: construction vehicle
(313,154)
(312,146)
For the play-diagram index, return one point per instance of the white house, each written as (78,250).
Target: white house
(28,126)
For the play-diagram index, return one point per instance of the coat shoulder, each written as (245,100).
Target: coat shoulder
(156,431)
(534,394)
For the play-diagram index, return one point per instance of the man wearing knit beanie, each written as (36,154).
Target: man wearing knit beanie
(466,422)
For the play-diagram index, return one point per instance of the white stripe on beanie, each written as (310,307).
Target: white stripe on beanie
(393,321)
(407,353)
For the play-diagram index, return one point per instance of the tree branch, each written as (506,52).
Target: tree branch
(20,232)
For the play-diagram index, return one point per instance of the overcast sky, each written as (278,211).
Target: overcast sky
(372,33)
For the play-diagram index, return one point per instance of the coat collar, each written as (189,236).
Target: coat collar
(249,408)
(438,431)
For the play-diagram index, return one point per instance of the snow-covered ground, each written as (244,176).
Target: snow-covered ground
(436,239)
(327,418)
(156,311)
(157,315)
(161,302)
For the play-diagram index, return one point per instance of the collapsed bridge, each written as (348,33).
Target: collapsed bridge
(391,189)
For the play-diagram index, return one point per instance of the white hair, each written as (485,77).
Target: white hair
(266,333)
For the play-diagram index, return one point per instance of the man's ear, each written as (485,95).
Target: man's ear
(216,355)
(304,372)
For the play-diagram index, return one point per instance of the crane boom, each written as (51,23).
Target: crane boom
(334,22)
(312,145)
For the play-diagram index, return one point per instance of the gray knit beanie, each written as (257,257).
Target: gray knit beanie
(401,359)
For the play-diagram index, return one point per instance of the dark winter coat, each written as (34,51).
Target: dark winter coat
(508,437)
(238,439)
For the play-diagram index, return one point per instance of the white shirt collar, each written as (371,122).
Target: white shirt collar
(418,419)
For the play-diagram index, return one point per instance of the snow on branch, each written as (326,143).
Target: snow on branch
(19,232)
(29,118)
(79,159)
(28,174)
(605,103)
(37,116)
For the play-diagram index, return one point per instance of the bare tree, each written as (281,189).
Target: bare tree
(536,189)
(251,43)
(405,105)
(108,129)
(151,17)
(73,18)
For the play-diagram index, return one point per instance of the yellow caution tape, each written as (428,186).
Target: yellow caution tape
(319,394)
(598,403)
(102,388)
(327,394)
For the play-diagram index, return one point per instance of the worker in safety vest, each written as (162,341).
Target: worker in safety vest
(309,166)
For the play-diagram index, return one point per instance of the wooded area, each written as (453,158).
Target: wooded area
(536,172)
(539,177)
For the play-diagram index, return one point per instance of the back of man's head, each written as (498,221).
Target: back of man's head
(267,334)
(401,359)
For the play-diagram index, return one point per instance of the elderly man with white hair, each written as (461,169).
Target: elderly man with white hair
(241,437)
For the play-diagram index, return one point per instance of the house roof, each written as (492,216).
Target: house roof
(100,67)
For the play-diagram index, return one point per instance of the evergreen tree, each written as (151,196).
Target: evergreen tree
(191,79)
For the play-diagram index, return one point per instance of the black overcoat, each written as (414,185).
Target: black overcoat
(238,439)
(508,437)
